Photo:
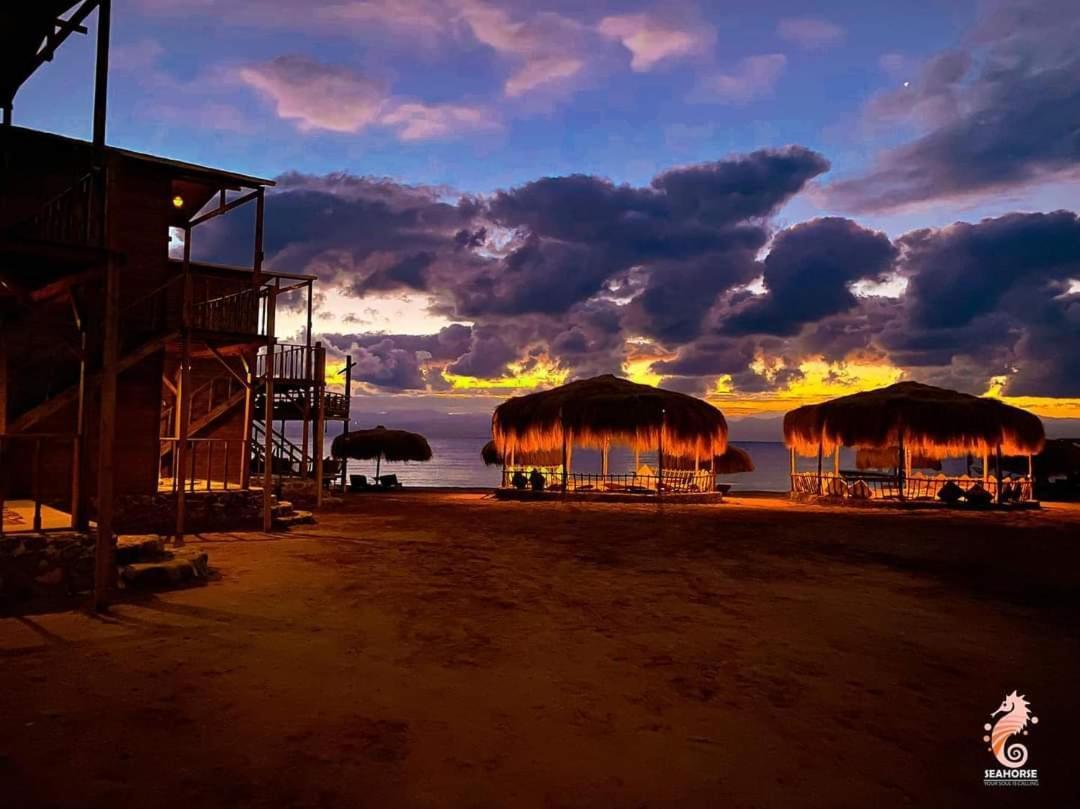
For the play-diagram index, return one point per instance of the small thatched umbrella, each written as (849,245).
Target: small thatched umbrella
(604,410)
(925,420)
(734,461)
(379,443)
(887,457)
(550,457)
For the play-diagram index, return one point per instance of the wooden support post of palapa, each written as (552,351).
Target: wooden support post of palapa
(268,415)
(320,419)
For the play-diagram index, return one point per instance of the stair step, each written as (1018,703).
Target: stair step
(134,548)
(297,517)
(178,568)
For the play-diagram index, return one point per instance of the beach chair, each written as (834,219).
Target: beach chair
(390,482)
(331,472)
(860,490)
(358,483)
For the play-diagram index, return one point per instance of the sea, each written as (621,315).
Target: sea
(456,462)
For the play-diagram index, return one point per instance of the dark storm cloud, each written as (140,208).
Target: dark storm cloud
(1003,114)
(395,361)
(963,271)
(994,294)
(808,273)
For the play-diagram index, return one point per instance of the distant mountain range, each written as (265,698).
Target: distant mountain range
(437,424)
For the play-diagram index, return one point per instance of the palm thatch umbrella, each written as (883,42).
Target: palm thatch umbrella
(379,443)
(886,458)
(916,419)
(933,422)
(606,409)
(734,461)
(549,457)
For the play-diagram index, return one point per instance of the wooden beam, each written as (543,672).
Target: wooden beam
(320,420)
(268,415)
(221,358)
(223,209)
(63,286)
(104,552)
(101,71)
(182,410)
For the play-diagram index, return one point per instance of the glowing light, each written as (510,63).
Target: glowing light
(178,202)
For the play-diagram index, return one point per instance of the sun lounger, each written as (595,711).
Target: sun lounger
(358,483)
(390,482)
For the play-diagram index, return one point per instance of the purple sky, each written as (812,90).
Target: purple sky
(740,199)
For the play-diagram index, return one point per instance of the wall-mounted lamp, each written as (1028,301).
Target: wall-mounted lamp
(178,201)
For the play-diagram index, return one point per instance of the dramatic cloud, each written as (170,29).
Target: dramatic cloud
(651,40)
(809,272)
(999,114)
(811,33)
(752,78)
(336,99)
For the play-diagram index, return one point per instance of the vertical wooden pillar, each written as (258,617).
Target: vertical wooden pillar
(320,419)
(565,463)
(820,451)
(836,462)
(986,467)
(268,414)
(604,459)
(101,72)
(348,413)
(182,410)
(104,551)
(78,510)
(249,416)
(660,456)
(901,464)
(999,474)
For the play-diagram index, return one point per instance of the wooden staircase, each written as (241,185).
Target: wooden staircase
(209,402)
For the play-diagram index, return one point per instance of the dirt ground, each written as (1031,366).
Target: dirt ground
(428,650)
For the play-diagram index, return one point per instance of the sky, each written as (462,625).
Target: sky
(762,203)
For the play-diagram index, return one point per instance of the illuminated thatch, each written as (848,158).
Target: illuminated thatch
(607,410)
(381,443)
(886,458)
(930,421)
(734,461)
(550,457)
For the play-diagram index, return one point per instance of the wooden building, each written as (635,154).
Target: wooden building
(130,373)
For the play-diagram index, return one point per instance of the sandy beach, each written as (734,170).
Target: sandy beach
(438,649)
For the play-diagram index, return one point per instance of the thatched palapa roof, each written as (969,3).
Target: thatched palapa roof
(608,410)
(392,445)
(549,457)
(934,422)
(733,461)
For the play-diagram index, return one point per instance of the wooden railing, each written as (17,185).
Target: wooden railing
(72,217)
(9,456)
(877,486)
(674,482)
(240,312)
(208,464)
(291,363)
(336,405)
(288,458)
